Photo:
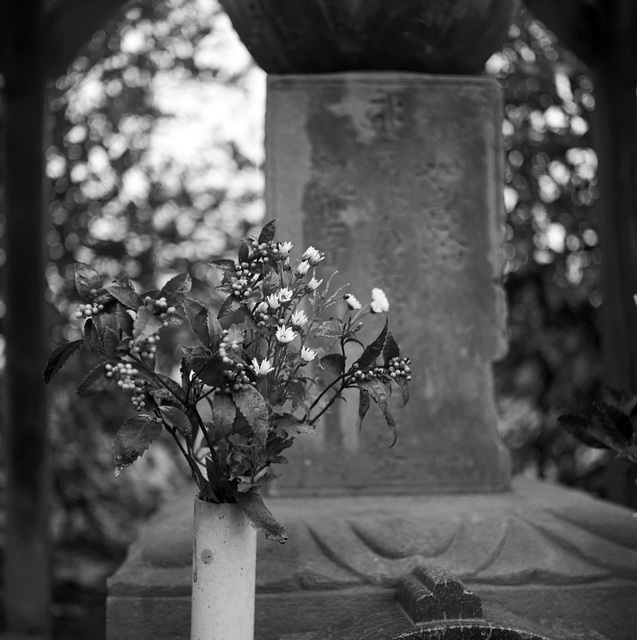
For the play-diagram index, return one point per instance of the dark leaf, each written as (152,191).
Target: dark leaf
(146,324)
(404,388)
(379,393)
(334,363)
(260,517)
(197,315)
(240,316)
(373,350)
(253,408)
(59,356)
(578,427)
(227,267)
(244,251)
(176,419)
(94,382)
(268,232)
(134,437)
(124,320)
(176,287)
(209,370)
(173,388)
(288,426)
(91,339)
(87,281)
(230,304)
(110,340)
(332,328)
(363,406)
(391,349)
(623,400)
(224,413)
(271,283)
(126,296)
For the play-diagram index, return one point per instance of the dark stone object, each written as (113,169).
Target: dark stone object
(324,36)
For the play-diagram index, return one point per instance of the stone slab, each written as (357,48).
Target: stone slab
(398,178)
(541,552)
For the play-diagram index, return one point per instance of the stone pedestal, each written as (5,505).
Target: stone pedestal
(398,178)
(541,558)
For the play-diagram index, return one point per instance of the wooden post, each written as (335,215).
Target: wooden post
(27,564)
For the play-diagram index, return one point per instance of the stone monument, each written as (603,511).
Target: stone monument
(383,149)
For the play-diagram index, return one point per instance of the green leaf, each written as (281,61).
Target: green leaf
(230,304)
(209,370)
(379,393)
(197,315)
(173,388)
(134,437)
(126,296)
(260,517)
(404,388)
(124,319)
(110,340)
(224,265)
(91,339)
(146,324)
(176,287)
(224,413)
(289,426)
(334,363)
(577,426)
(391,348)
(176,419)
(253,408)
(363,406)
(244,251)
(59,356)
(87,281)
(268,232)
(373,350)
(271,283)
(94,382)
(240,316)
(332,328)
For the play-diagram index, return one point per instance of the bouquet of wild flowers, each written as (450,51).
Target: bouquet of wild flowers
(245,392)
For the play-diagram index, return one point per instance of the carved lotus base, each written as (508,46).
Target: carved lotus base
(540,556)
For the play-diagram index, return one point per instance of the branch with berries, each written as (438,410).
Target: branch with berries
(258,373)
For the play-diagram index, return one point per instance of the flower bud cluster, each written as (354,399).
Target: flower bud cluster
(398,367)
(161,308)
(362,374)
(236,379)
(225,345)
(243,281)
(88,310)
(145,349)
(125,375)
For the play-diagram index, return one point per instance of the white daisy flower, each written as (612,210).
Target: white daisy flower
(285,248)
(273,301)
(302,268)
(313,256)
(379,304)
(262,307)
(285,294)
(314,284)
(262,368)
(284,334)
(352,302)
(307,355)
(298,318)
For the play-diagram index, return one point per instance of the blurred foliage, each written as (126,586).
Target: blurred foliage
(552,258)
(155,166)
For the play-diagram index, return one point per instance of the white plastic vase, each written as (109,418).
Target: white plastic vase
(223,579)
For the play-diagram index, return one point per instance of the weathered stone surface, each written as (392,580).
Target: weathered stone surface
(398,178)
(546,554)
(319,36)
